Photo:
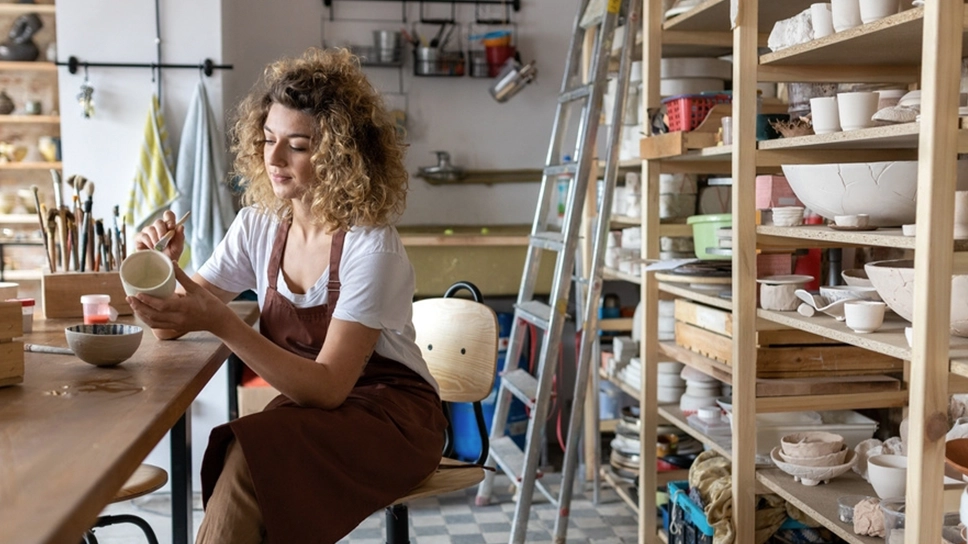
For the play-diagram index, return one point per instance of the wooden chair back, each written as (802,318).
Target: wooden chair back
(458,339)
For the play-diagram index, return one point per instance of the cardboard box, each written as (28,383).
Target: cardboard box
(254,399)
(774,192)
(62,291)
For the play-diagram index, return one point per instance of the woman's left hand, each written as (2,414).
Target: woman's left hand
(195,309)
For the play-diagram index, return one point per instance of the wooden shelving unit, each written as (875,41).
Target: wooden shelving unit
(921,45)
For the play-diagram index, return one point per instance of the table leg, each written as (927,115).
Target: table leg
(182,530)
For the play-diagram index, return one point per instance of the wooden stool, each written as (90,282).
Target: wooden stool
(146,479)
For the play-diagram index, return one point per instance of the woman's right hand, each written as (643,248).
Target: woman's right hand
(149,236)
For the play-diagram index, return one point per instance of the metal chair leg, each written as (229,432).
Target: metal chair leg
(398,524)
(105,521)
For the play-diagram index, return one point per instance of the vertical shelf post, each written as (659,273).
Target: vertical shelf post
(937,156)
(652,17)
(745,64)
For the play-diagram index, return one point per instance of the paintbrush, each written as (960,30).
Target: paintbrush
(43,226)
(51,234)
(117,237)
(89,223)
(73,223)
(102,245)
(61,216)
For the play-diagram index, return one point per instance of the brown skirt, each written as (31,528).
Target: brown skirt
(319,473)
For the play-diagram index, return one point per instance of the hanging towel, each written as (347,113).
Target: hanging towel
(200,176)
(154,185)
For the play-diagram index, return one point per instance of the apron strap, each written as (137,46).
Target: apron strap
(333,285)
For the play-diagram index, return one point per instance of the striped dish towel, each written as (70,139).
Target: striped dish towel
(154,186)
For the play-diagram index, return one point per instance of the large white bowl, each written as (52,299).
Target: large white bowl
(884,190)
(894,281)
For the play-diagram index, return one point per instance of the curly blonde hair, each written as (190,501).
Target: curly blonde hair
(358,156)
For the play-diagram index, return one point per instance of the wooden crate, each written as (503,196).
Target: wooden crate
(62,291)
(781,352)
(11,353)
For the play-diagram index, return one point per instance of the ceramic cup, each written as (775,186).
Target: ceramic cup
(822,20)
(873,10)
(148,271)
(845,14)
(856,109)
(864,316)
(825,115)
(961,214)
(779,292)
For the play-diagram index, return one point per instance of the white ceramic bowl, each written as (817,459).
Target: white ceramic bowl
(894,281)
(104,345)
(689,403)
(847,292)
(884,190)
(888,475)
(669,395)
(856,277)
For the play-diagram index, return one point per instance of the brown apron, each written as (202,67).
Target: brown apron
(319,473)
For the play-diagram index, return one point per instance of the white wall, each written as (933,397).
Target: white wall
(453,114)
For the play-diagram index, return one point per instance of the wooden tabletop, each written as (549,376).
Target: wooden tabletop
(72,433)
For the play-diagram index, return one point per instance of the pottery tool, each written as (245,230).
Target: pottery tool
(74,226)
(163,243)
(51,235)
(61,216)
(117,236)
(89,223)
(102,245)
(43,228)
(38,348)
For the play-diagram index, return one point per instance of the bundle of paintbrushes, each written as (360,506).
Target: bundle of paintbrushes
(74,240)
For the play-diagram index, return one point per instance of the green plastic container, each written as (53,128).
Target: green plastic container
(704,229)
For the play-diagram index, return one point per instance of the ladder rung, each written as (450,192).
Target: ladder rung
(554,241)
(559,169)
(510,458)
(522,385)
(576,94)
(534,312)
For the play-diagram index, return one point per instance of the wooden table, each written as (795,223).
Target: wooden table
(71,434)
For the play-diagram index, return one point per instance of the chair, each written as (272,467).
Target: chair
(146,479)
(458,339)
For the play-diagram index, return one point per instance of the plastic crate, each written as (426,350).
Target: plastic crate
(688,523)
(687,111)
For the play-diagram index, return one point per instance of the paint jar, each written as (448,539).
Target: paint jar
(97,309)
(27,307)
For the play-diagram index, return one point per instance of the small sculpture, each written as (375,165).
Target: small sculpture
(6,103)
(20,44)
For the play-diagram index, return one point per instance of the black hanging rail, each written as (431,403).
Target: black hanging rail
(515,4)
(207,66)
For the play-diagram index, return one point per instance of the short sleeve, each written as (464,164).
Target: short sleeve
(231,267)
(377,291)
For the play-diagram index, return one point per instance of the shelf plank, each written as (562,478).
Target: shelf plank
(29,119)
(18,219)
(894,40)
(626,388)
(888,340)
(611,274)
(903,135)
(674,415)
(823,236)
(711,367)
(708,297)
(620,487)
(675,230)
(22,275)
(625,221)
(20,9)
(26,166)
(25,66)
(820,502)
(713,15)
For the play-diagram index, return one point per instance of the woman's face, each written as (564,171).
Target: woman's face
(288,151)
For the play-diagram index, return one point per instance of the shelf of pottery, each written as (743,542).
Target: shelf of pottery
(29,133)
(798,356)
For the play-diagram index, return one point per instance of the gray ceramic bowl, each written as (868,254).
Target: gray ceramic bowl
(104,345)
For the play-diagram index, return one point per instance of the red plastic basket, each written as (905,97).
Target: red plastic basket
(686,112)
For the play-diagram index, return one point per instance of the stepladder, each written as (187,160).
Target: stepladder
(581,214)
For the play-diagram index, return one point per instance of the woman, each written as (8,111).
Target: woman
(359,421)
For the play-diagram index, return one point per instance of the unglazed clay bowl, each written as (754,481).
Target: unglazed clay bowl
(826,460)
(813,475)
(856,277)
(104,345)
(894,281)
(811,443)
(886,191)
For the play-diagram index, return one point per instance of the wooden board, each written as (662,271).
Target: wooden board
(673,144)
(721,322)
(800,361)
(11,320)
(11,363)
(62,292)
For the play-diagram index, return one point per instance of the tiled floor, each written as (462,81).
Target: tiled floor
(451,518)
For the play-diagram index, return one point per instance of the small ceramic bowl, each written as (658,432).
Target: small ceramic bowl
(104,345)
(787,216)
(888,475)
(857,220)
(856,277)
(864,316)
(833,293)
(778,293)
(826,460)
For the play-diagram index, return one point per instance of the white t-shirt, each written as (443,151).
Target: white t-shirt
(376,281)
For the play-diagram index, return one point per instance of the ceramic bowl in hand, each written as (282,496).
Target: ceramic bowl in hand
(104,345)
(150,272)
